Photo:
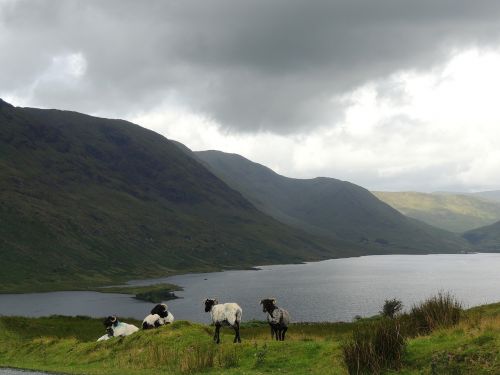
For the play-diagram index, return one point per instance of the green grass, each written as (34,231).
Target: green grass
(64,344)
(151,293)
(183,347)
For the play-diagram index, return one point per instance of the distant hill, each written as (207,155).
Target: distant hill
(493,195)
(330,207)
(453,212)
(486,239)
(87,201)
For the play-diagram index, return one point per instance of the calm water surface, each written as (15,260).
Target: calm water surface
(331,290)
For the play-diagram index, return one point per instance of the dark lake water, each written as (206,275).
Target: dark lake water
(331,290)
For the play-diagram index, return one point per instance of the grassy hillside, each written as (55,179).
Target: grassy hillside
(486,238)
(68,345)
(454,212)
(330,207)
(86,201)
(492,195)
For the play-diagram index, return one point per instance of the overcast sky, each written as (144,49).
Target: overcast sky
(388,94)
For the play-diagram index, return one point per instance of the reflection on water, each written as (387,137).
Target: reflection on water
(331,290)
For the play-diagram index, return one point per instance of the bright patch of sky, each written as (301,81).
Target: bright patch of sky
(423,131)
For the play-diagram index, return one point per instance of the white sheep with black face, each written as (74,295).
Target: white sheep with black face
(115,328)
(278,318)
(224,314)
(159,316)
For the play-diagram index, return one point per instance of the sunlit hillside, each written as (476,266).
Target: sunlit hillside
(453,212)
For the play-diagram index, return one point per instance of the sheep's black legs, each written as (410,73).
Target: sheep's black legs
(217,333)
(283,333)
(237,337)
(274,331)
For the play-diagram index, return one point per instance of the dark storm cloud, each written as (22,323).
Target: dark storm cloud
(250,65)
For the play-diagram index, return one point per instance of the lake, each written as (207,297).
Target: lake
(331,290)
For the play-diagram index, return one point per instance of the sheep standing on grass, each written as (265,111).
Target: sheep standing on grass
(278,318)
(159,316)
(115,328)
(228,314)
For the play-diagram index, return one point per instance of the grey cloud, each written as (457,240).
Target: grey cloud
(278,66)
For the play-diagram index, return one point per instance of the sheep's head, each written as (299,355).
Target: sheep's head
(268,304)
(110,321)
(110,331)
(209,303)
(160,309)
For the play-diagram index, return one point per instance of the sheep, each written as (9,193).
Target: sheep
(159,316)
(104,337)
(228,314)
(115,328)
(278,318)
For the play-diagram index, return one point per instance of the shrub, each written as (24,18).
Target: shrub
(391,308)
(375,346)
(440,311)
(357,318)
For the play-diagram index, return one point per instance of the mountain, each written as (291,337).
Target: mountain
(87,201)
(330,207)
(485,239)
(493,195)
(454,212)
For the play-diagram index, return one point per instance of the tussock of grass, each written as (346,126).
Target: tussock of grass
(379,345)
(440,311)
(374,347)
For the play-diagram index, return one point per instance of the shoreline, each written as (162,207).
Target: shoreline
(122,283)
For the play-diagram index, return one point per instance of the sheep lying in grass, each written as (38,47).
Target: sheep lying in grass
(228,314)
(278,318)
(115,328)
(104,337)
(159,316)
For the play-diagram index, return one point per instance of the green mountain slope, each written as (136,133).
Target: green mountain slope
(330,207)
(85,200)
(454,212)
(486,239)
(492,195)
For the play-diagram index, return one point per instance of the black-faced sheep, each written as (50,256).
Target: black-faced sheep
(278,318)
(224,314)
(159,316)
(115,328)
